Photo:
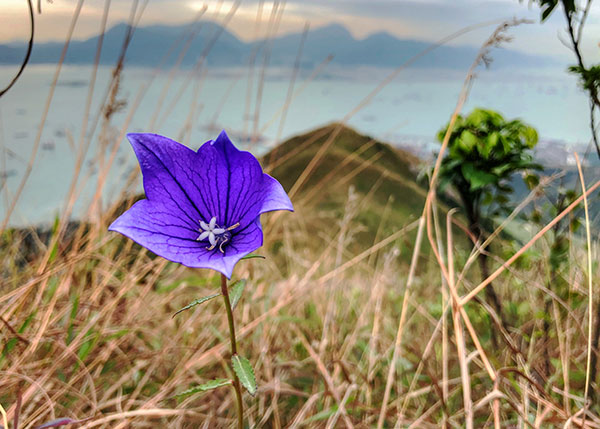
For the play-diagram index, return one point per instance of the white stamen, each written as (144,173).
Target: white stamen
(212,231)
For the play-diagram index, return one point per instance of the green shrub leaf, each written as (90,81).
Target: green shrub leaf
(196,302)
(236,292)
(253,256)
(477,178)
(210,385)
(245,373)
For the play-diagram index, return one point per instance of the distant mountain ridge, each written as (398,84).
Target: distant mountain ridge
(149,44)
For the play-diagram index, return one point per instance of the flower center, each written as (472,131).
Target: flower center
(216,235)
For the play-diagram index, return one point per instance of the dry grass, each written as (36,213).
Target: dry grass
(341,332)
(92,335)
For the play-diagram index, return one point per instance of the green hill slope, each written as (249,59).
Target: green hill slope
(337,158)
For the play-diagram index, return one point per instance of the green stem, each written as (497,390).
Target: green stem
(236,381)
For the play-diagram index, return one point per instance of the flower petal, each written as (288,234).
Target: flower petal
(168,168)
(275,197)
(160,231)
(235,178)
(244,191)
(151,216)
(167,236)
(243,243)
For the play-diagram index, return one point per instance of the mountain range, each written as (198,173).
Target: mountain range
(150,44)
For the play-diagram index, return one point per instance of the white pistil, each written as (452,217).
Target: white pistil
(213,233)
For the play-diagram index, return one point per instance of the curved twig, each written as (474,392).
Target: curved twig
(29,48)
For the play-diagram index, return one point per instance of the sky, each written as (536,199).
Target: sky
(427,20)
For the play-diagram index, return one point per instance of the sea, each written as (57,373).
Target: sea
(258,108)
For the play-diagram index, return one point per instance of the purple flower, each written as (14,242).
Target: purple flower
(202,209)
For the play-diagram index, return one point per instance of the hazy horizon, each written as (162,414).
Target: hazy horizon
(424,20)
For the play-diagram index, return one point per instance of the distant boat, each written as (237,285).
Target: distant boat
(48,145)
(11,154)
(7,173)
(369,118)
(75,83)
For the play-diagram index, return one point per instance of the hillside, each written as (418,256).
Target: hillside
(379,174)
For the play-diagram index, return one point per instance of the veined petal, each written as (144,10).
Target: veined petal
(275,197)
(160,231)
(243,243)
(168,168)
(244,190)
(234,178)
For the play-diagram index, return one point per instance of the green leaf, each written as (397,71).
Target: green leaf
(477,178)
(253,256)
(13,341)
(196,302)
(245,373)
(493,139)
(531,137)
(477,118)
(467,141)
(210,385)
(506,144)
(484,148)
(322,415)
(531,180)
(54,250)
(501,169)
(236,292)
(88,345)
